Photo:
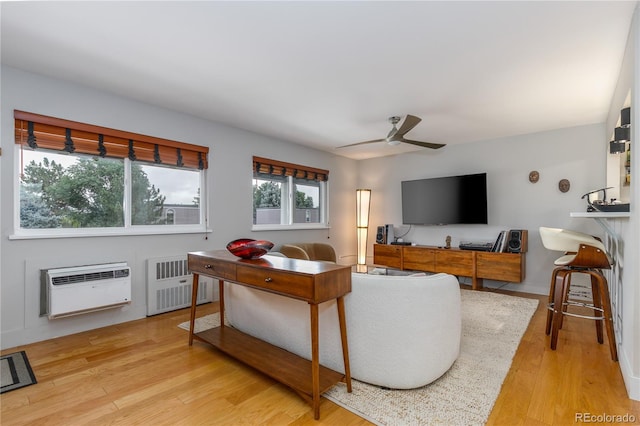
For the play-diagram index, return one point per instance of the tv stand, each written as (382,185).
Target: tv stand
(478,265)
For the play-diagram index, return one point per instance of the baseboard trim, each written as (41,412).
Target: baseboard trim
(631,382)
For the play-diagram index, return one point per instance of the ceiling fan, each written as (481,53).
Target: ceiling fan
(396,135)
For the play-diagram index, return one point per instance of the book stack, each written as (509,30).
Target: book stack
(501,242)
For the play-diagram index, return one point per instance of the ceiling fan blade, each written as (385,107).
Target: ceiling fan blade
(423,144)
(362,143)
(409,123)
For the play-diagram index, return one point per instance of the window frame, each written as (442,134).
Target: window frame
(288,196)
(127,229)
(194,156)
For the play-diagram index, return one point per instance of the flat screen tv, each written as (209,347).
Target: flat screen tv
(445,200)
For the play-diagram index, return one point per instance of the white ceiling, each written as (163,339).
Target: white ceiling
(327,74)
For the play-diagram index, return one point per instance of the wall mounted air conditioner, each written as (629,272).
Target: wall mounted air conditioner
(82,289)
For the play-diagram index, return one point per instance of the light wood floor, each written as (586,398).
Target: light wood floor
(143,372)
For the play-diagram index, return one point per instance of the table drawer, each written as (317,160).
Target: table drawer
(293,285)
(212,267)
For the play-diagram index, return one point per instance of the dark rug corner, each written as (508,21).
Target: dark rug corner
(15,372)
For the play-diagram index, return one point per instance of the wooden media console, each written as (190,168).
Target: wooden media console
(478,265)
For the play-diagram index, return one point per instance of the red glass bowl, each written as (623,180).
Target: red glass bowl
(247,248)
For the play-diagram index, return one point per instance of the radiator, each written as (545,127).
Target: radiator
(169,284)
(82,289)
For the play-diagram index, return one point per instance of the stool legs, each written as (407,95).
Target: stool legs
(557,274)
(608,313)
(559,294)
(598,309)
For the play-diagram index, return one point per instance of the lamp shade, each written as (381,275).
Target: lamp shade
(363,205)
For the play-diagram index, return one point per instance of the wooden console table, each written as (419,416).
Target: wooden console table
(313,282)
(467,263)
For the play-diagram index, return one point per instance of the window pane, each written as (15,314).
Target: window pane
(163,195)
(59,190)
(267,200)
(307,206)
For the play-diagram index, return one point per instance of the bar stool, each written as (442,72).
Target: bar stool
(583,254)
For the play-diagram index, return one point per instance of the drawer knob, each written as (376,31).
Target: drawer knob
(207,266)
(268,280)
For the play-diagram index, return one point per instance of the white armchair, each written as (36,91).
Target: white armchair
(403,331)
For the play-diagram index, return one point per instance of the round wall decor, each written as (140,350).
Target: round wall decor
(534,176)
(564,185)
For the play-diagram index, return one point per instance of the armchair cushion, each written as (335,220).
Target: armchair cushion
(309,251)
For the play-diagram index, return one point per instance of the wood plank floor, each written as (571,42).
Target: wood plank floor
(143,372)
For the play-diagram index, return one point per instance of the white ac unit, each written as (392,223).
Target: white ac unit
(169,284)
(81,289)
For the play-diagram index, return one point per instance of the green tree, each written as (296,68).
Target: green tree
(146,200)
(40,177)
(266,195)
(34,212)
(89,193)
(303,201)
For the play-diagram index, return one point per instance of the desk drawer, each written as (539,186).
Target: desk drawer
(212,267)
(294,285)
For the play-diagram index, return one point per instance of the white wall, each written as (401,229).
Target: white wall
(229,190)
(632,250)
(627,92)
(514,203)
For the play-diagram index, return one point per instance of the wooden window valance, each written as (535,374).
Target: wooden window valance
(266,166)
(40,131)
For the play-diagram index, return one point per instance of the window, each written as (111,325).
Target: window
(307,205)
(79,179)
(288,195)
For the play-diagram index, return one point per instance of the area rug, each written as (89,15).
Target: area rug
(15,372)
(203,323)
(492,327)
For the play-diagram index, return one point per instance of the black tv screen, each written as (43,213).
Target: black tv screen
(445,200)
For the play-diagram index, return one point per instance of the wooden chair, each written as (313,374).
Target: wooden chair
(583,254)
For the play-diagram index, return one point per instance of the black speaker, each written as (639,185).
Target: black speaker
(384,235)
(517,241)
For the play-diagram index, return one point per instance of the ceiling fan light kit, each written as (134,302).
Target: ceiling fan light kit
(396,136)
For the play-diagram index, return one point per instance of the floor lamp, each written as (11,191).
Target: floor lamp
(363,204)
